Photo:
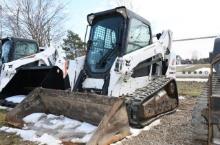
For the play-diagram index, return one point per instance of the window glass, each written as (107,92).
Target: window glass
(104,38)
(139,35)
(23,49)
(5,51)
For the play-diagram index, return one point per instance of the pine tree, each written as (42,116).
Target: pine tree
(73,45)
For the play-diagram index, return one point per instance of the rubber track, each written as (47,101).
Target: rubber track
(141,95)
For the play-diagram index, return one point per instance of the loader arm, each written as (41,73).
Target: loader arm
(49,70)
(9,69)
(155,53)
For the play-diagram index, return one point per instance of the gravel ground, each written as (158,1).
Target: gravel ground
(174,129)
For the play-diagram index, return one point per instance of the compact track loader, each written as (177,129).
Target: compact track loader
(124,80)
(24,67)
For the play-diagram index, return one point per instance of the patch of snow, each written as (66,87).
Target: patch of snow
(3,108)
(86,127)
(33,118)
(181,97)
(135,131)
(66,122)
(192,79)
(85,139)
(55,122)
(216,141)
(52,130)
(24,134)
(155,123)
(51,116)
(16,99)
(48,139)
(30,135)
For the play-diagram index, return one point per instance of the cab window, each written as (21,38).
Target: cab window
(5,51)
(139,35)
(23,49)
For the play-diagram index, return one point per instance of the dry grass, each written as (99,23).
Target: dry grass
(193,89)
(2,117)
(10,139)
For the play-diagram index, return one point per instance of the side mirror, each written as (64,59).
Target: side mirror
(158,36)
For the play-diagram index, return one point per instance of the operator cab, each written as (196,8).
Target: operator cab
(114,33)
(16,48)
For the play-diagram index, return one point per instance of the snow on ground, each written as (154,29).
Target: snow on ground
(33,117)
(52,130)
(192,79)
(3,108)
(135,131)
(16,99)
(30,135)
(181,97)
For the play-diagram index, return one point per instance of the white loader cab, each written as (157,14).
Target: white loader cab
(24,66)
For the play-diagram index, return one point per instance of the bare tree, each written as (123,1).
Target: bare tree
(1,23)
(37,19)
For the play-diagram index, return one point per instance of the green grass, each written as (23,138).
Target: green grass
(190,88)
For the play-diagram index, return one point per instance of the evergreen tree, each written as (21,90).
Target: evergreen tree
(73,45)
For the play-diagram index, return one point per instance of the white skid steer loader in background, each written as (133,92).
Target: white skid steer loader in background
(24,67)
(124,80)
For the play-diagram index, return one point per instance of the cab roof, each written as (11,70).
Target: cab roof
(14,39)
(123,11)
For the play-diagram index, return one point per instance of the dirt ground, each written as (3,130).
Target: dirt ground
(174,129)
